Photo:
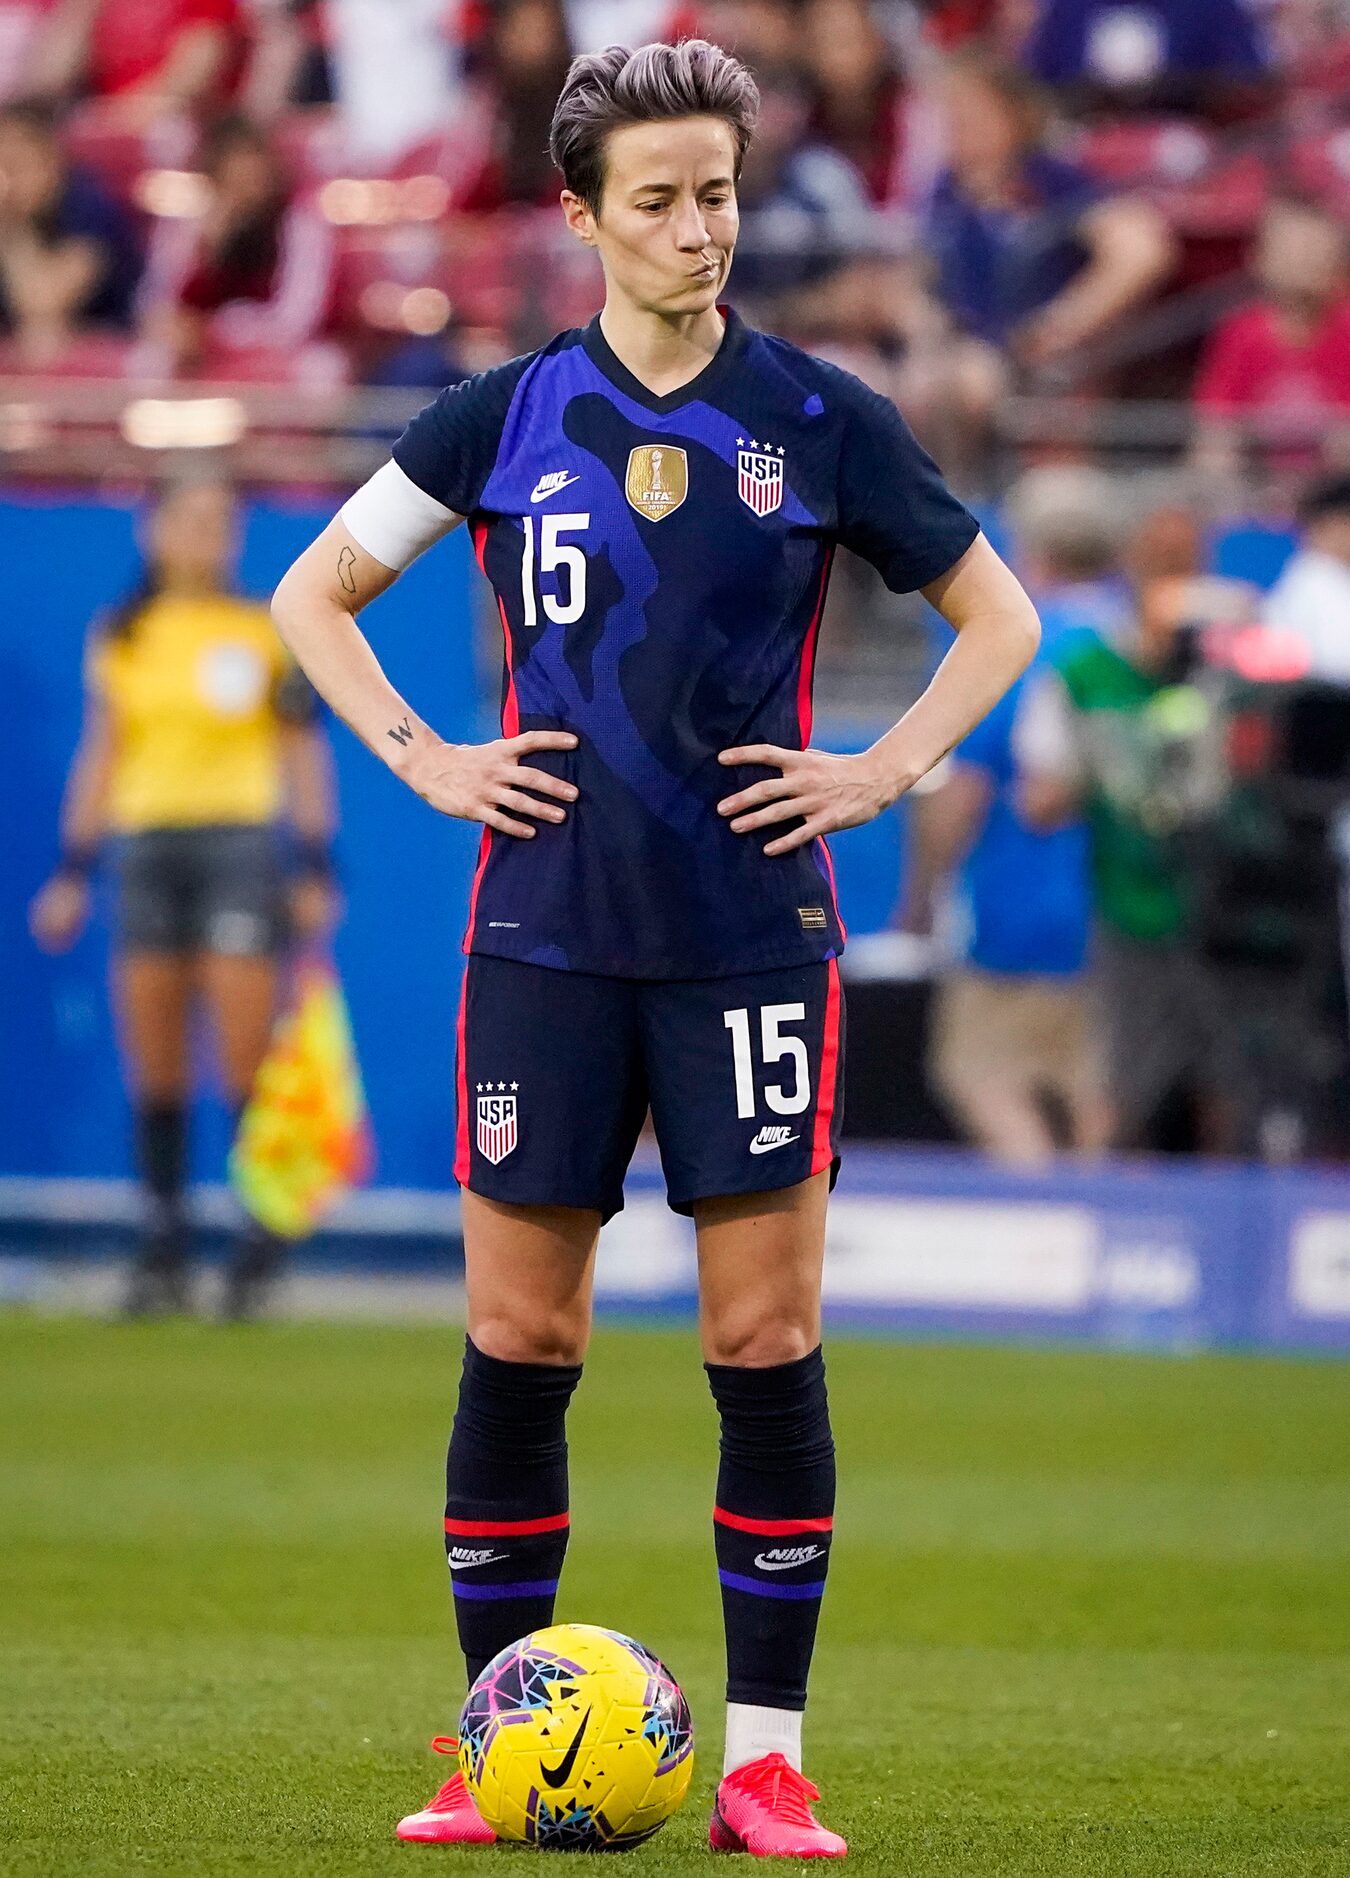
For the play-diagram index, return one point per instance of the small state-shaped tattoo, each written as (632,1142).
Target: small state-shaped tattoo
(346,562)
(401,733)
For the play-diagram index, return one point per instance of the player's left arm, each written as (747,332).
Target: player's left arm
(997,633)
(310,796)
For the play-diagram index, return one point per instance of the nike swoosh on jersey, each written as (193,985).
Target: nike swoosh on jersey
(555,1776)
(767,1147)
(538,494)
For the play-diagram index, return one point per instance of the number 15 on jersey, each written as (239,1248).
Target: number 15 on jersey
(563,559)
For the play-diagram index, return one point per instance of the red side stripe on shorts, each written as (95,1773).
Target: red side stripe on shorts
(770,1528)
(505,1528)
(461,1072)
(822,1153)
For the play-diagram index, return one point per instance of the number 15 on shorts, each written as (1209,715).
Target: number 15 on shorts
(784,1097)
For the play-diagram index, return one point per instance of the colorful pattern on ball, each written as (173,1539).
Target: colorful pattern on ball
(576,1738)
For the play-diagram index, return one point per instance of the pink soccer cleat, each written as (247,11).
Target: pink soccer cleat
(451,1818)
(764,1809)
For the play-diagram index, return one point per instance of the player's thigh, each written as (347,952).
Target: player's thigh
(240,992)
(550,1089)
(745,1076)
(153,994)
(528,1273)
(760,1259)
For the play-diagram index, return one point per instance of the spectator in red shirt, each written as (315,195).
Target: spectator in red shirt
(142,59)
(1274,379)
(526,53)
(251,274)
(862,106)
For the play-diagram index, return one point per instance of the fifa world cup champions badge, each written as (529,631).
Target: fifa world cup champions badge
(657,481)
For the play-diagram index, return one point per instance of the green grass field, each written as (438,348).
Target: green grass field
(1087,1615)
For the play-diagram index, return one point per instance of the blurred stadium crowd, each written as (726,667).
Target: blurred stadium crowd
(1036,222)
(1096,250)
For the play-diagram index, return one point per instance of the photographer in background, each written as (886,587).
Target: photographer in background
(1094,734)
(1014,1051)
(1311,599)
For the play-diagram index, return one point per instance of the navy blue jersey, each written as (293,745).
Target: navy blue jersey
(660,566)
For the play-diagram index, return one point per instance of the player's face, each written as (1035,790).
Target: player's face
(192,534)
(668,220)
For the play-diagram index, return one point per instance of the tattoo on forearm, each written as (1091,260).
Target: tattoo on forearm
(401,733)
(346,562)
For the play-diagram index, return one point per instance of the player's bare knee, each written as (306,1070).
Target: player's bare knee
(542,1337)
(758,1344)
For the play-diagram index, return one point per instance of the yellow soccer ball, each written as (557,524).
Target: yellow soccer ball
(578,1739)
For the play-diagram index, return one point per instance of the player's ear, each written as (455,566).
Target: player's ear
(577,214)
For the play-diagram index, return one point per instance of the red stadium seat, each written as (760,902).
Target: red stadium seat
(322,364)
(121,157)
(1204,184)
(90,355)
(1147,153)
(1321,165)
(1324,72)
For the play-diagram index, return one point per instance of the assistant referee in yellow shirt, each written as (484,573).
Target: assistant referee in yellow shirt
(202,765)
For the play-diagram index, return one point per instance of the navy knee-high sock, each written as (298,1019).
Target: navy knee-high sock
(161,1155)
(506,1517)
(772,1524)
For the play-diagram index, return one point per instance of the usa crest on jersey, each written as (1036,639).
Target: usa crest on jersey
(496,1126)
(759,477)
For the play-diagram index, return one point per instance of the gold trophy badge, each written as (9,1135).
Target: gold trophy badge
(657,481)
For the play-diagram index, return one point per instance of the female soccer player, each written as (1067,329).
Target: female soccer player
(655,501)
(199,734)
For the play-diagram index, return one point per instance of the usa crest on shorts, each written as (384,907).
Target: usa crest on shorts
(759,475)
(496,1126)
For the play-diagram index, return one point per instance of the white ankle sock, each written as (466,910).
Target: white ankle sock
(753,1732)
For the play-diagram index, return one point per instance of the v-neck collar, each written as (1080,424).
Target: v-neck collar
(603,355)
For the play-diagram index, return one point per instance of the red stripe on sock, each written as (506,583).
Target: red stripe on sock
(505,1528)
(771,1528)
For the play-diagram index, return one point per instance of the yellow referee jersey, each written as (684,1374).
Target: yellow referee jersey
(192,695)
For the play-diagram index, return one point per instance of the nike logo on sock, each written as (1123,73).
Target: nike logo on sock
(462,1559)
(783,1557)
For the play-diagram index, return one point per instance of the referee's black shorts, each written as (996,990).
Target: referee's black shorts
(220,888)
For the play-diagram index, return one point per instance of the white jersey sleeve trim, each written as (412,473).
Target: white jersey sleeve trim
(391,518)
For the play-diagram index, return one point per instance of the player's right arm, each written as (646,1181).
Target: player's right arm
(60,911)
(315,609)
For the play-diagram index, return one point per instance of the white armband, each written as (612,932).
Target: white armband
(391,518)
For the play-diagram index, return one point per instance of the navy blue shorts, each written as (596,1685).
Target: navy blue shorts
(556,1072)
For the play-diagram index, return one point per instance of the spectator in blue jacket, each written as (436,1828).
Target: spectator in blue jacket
(69,261)
(1015,1051)
(1031,261)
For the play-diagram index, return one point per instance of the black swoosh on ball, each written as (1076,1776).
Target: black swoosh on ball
(555,1776)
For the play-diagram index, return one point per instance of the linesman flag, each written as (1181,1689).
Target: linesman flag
(304,1137)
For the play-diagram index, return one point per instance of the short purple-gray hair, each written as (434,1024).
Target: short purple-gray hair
(605,90)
